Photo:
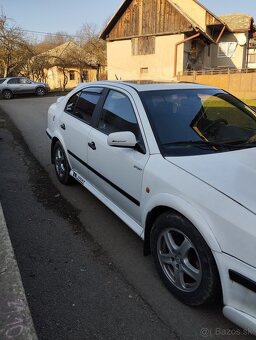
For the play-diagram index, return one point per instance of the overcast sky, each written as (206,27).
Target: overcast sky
(69,16)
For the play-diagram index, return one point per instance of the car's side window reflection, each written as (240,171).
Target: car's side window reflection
(118,115)
(13,81)
(82,104)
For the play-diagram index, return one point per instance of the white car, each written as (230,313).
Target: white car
(177,163)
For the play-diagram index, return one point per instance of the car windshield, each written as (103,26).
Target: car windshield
(190,122)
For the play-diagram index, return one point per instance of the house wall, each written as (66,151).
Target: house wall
(238,60)
(158,66)
(55,77)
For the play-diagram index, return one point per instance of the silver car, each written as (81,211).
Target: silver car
(21,85)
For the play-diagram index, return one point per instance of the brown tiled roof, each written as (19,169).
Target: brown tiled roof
(237,22)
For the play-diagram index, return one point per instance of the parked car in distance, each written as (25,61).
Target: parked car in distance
(11,86)
(177,164)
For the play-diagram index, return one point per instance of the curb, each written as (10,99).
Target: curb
(15,318)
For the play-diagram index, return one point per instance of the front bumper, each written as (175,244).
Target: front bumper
(238,281)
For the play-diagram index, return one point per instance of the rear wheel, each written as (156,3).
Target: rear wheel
(7,94)
(40,91)
(184,261)
(61,165)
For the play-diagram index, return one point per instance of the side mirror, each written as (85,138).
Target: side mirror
(122,139)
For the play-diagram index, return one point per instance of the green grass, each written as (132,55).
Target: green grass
(251,102)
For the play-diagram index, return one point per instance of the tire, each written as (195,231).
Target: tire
(7,94)
(61,165)
(184,261)
(40,91)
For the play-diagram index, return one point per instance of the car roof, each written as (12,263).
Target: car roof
(149,86)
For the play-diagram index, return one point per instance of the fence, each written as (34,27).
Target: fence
(241,83)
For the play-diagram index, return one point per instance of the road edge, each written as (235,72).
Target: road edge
(15,317)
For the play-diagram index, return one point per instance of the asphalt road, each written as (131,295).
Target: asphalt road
(83,269)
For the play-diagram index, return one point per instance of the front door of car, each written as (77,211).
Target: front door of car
(26,86)
(117,172)
(75,127)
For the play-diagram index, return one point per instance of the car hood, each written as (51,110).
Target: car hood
(232,173)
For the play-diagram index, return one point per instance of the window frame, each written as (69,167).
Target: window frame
(71,75)
(225,54)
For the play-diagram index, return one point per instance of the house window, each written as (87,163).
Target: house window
(71,75)
(144,70)
(226,49)
(252,57)
(143,45)
(209,50)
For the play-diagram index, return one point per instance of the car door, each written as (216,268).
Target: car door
(14,85)
(75,126)
(117,172)
(26,86)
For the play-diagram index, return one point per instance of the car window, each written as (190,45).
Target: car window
(24,81)
(118,115)
(70,107)
(85,105)
(13,81)
(2,80)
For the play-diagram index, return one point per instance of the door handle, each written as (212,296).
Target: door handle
(63,126)
(92,145)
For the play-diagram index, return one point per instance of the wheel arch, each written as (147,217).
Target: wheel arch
(54,140)
(177,205)
(57,138)
(6,89)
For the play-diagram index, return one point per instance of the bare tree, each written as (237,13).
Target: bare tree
(14,49)
(95,49)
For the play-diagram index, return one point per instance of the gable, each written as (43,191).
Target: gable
(147,17)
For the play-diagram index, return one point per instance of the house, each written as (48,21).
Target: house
(157,39)
(233,48)
(252,51)
(66,65)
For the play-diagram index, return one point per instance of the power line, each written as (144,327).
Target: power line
(47,33)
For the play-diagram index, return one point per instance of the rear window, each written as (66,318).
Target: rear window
(2,80)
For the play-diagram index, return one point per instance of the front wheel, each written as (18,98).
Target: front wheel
(40,91)
(61,165)
(184,261)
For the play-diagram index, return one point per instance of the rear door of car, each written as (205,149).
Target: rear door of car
(75,125)
(14,85)
(118,172)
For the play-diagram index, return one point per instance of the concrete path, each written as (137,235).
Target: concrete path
(15,318)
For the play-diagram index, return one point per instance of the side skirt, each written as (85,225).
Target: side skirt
(113,207)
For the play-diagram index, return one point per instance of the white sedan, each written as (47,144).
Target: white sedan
(177,163)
